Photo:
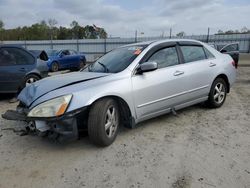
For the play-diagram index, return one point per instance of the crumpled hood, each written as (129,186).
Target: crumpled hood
(32,92)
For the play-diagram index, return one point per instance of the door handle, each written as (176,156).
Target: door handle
(212,64)
(178,73)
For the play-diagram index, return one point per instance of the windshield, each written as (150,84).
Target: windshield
(116,60)
(52,52)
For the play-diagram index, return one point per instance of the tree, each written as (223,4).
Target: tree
(1,29)
(1,25)
(45,30)
(181,34)
(75,29)
(52,24)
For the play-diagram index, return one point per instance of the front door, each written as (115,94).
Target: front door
(158,91)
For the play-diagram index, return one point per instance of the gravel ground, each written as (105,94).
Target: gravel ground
(197,148)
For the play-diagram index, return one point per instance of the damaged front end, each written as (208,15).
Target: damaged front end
(61,128)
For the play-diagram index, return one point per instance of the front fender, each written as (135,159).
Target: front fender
(84,94)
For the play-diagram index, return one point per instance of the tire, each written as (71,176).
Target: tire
(103,122)
(81,65)
(55,67)
(217,94)
(30,79)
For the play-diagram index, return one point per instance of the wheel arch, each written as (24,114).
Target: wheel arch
(125,111)
(225,78)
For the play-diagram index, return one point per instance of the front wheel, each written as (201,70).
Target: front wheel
(103,122)
(31,79)
(218,93)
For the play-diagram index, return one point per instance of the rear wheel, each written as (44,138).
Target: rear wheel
(103,123)
(81,65)
(54,67)
(218,93)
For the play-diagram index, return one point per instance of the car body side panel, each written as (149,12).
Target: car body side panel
(158,90)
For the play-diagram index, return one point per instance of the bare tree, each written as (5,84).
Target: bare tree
(52,23)
(1,29)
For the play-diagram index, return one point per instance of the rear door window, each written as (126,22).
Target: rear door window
(193,53)
(15,56)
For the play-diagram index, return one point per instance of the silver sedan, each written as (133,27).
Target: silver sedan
(128,85)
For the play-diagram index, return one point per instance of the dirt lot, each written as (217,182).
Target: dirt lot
(198,148)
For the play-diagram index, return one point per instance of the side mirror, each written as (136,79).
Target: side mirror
(147,67)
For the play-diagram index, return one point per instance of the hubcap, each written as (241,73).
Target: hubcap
(55,67)
(219,93)
(82,65)
(30,81)
(111,121)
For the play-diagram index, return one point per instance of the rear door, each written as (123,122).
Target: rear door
(14,64)
(199,66)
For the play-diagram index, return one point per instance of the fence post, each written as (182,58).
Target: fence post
(208,33)
(51,44)
(135,35)
(25,44)
(77,45)
(249,46)
(105,45)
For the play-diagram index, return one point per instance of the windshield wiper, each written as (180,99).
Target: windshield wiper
(104,66)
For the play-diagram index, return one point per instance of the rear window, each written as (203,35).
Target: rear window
(193,53)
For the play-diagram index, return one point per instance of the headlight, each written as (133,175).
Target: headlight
(51,108)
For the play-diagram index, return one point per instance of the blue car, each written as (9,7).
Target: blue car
(65,59)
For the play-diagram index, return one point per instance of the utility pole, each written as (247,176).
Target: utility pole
(208,33)
(135,35)
(170,33)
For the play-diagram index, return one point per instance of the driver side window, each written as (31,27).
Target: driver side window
(165,57)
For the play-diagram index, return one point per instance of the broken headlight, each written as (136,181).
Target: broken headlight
(51,108)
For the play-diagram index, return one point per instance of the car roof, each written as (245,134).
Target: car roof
(155,42)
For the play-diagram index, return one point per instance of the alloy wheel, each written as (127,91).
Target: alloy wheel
(219,93)
(111,122)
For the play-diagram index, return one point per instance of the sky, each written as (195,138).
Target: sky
(123,17)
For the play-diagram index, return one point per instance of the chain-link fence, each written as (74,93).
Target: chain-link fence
(93,48)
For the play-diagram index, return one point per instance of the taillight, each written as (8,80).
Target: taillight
(234,64)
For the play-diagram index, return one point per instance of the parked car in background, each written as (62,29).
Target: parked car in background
(19,68)
(230,49)
(65,59)
(128,85)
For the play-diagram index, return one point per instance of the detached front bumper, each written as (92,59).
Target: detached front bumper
(62,128)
